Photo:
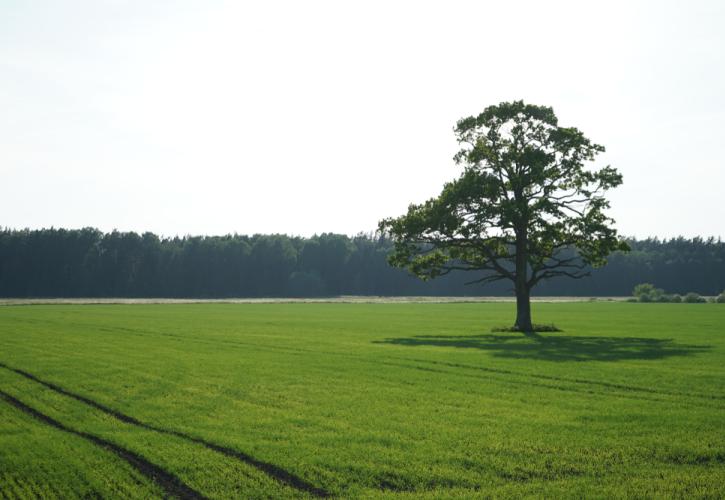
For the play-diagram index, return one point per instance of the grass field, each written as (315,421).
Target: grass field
(373,400)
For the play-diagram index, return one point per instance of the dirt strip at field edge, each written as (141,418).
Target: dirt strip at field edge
(343,299)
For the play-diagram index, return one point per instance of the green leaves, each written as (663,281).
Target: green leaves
(527,190)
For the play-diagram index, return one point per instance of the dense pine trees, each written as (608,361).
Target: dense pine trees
(89,263)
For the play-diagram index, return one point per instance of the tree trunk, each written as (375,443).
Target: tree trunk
(523,302)
(523,310)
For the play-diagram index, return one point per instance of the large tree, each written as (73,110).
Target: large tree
(527,207)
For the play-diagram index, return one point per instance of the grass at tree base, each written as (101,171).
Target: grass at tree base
(536,329)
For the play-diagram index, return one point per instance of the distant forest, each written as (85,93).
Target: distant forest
(90,263)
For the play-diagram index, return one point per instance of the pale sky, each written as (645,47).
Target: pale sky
(213,117)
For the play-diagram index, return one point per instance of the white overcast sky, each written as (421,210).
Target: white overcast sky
(212,117)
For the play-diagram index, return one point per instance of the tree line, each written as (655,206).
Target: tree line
(89,263)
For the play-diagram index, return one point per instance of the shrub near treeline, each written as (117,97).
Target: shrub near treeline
(647,292)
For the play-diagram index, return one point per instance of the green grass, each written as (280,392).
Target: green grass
(373,400)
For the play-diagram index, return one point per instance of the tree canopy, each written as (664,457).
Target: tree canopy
(527,206)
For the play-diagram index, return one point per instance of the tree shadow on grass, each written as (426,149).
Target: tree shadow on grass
(557,347)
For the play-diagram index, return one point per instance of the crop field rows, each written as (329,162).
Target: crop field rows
(350,400)
(169,484)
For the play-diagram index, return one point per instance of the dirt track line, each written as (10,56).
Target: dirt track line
(171,484)
(270,469)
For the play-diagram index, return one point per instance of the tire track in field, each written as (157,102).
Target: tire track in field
(171,484)
(274,471)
